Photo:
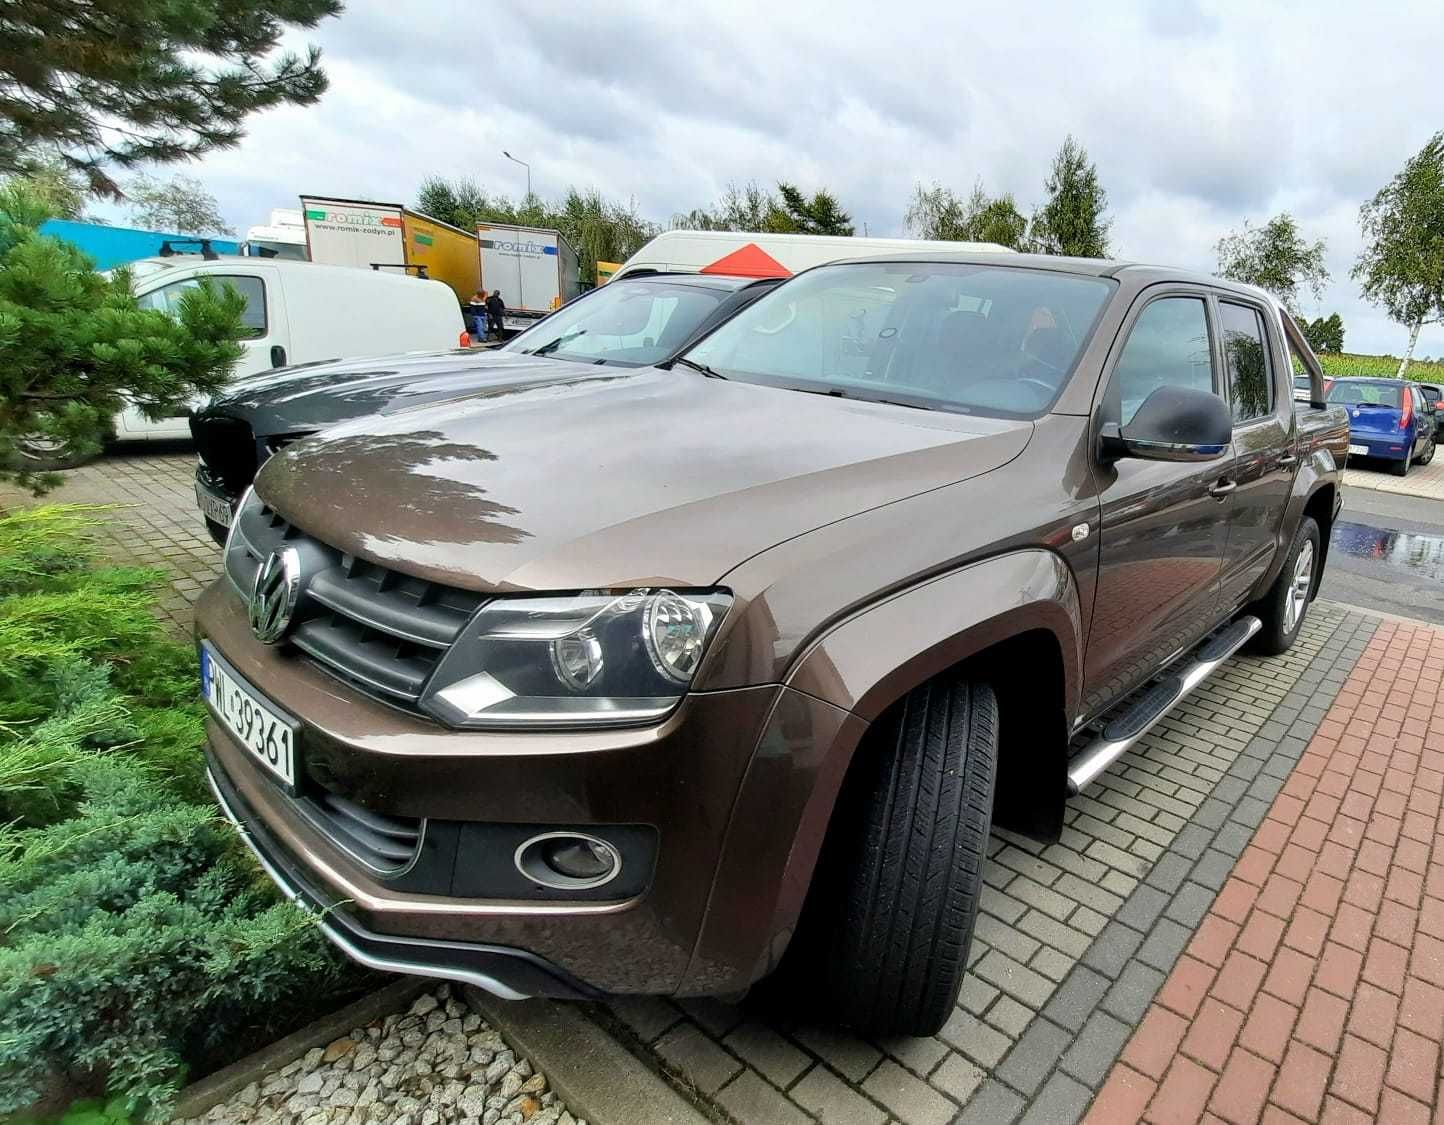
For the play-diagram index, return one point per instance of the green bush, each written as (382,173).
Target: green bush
(136,934)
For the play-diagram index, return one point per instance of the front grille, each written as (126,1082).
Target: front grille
(385,843)
(379,630)
(227,448)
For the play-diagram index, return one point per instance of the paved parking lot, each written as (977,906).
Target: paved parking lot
(1244,917)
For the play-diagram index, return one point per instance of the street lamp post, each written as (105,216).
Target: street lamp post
(525,165)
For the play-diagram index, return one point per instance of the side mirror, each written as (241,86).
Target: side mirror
(1173,424)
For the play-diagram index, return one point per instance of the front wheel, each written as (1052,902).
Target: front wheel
(909,863)
(1283,608)
(36,453)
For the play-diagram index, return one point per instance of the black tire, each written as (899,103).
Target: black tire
(1280,625)
(1401,468)
(909,866)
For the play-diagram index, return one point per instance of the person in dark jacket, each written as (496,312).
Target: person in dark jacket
(495,310)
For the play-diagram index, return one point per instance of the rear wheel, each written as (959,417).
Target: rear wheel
(908,864)
(1401,468)
(1429,453)
(1283,608)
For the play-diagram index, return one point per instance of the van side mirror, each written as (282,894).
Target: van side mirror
(1172,424)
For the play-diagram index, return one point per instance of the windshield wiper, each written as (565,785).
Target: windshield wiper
(839,392)
(702,367)
(553,344)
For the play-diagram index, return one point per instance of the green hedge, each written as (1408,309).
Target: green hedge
(137,937)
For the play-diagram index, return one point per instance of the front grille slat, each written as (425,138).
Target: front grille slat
(386,843)
(398,616)
(373,661)
(375,628)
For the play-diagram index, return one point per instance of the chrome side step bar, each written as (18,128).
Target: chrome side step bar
(1123,731)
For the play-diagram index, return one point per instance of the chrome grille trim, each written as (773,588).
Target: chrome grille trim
(377,629)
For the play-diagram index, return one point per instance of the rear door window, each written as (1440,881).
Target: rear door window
(1167,346)
(253,320)
(1245,349)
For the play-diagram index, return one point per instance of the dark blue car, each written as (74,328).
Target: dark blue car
(1388,420)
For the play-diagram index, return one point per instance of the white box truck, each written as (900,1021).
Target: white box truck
(535,271)
(350,232)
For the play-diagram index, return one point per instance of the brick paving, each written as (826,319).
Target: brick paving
(1314,988)
(154,521)
(1184,947)
(1075,938)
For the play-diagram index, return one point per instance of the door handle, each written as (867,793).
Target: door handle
(278,356)
(1222,488)
(1287,461)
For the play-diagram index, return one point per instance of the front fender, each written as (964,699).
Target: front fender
(850,675)
(882,652)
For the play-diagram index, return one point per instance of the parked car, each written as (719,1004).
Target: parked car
(629,684)
(296,312)
(1304,386)
(743,254)
(647,319)
(1433,397)
(1387,421)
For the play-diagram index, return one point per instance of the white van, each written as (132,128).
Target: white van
(301,312)
(740,254)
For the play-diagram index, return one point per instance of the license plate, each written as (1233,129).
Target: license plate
(213,507)
(1359,450)
(268,735)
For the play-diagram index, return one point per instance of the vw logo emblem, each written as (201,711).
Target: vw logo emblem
(273,597)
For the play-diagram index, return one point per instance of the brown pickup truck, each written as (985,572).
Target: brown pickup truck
(633,681)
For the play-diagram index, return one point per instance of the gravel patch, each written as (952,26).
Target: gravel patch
(436,1063)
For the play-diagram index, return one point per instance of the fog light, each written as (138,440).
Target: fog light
(568,861)
(577,858)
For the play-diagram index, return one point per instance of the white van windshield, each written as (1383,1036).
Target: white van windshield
(951,336)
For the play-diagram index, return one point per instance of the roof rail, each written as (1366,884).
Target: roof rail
(206,251)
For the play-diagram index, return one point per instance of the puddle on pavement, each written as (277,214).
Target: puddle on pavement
(1414,552)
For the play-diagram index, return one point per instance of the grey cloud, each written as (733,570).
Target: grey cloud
(1198,114)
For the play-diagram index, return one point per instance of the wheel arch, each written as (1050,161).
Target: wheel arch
(1006,616)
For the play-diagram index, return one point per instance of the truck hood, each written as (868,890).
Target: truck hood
(629,478)
(316,395)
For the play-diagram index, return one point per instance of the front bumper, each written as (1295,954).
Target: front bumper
(508,973)
(720,897)
(1384,447)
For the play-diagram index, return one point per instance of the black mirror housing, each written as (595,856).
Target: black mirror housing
(1172,424)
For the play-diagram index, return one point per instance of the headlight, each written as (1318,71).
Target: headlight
(585,660)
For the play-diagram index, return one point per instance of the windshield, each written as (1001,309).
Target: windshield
(1367,394)
(628,323)
(973,338)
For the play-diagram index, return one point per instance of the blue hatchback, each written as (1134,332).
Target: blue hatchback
(1387,419)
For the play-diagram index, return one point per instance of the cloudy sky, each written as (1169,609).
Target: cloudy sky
(1198,114)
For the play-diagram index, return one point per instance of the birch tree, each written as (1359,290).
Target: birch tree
(1401,268)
